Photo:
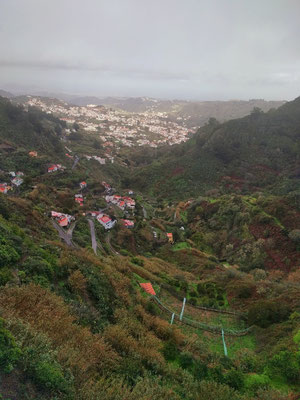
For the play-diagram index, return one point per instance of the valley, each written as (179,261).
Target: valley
(213,220)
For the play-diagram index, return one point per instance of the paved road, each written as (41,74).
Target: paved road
(63,234)
(71,229)
(93,235)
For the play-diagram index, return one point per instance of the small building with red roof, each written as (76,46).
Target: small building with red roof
(106,221)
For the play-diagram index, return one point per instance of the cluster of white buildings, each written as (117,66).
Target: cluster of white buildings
(101,160)
(150,128)
(56,167)
(16,180)
(122,202)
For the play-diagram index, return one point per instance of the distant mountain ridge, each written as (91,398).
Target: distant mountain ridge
(252,153)
(195,113)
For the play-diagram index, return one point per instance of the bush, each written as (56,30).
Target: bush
(286,364)
(235,379)
(50,376)
(193,301)
(216,374)
(137,261)
(5,276)
(265,313)
(9,351)
(200,370)
(170,351)
(38,266)
(255,382)
(152,308)
(186,360)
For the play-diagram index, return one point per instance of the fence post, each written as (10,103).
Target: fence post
(224,344)
(172,318)
(182,310)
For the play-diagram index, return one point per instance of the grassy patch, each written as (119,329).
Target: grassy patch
(181,246)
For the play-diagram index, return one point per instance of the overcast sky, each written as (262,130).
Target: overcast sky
(191,49)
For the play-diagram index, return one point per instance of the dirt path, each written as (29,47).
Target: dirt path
(107,239)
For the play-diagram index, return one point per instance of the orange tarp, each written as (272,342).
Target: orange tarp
(148,288)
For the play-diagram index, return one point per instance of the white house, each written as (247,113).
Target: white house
(106,221)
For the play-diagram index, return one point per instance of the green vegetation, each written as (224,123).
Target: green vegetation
(78,326)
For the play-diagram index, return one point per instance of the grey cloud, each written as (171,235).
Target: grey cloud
(201,49)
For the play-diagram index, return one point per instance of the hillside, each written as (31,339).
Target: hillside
(257,152)
(4,93)
(75,321)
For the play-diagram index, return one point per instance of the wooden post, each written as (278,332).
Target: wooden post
(182,310)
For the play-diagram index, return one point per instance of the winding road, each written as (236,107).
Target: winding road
(65,235)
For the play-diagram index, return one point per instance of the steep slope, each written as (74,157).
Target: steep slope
(256,152)
(32,129)
(78,326)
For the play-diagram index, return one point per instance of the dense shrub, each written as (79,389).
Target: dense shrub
(9,351)
(186,360)
(286,364)
(170,351)
(200,370)
(137,261)
(265,313)
(50,376)
(235,379)
(38,266)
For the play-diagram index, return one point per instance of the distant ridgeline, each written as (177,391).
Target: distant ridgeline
(254,153)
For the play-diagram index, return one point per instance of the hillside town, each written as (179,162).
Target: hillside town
(116,127)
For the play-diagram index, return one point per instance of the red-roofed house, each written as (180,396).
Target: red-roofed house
(121,205)
(52,168)
(83,185)
(79,199)
(170,237)
(4,188)
(106,221)
(62,219)
(127,223)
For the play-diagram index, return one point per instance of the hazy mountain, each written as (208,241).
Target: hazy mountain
(4,93)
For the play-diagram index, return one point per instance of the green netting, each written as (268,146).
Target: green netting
(201,325)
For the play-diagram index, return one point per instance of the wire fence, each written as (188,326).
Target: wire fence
(196,324)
